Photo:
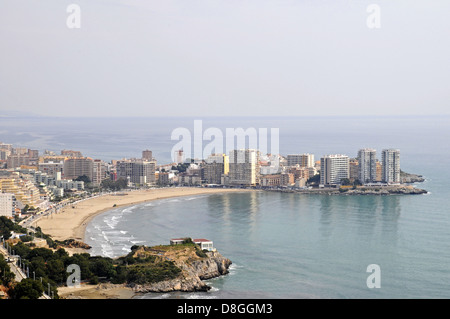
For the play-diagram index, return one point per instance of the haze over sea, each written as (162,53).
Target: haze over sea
(282,245)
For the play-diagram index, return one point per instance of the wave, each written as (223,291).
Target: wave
(200,296)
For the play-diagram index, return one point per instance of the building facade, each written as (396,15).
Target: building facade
(78,166)
(390,166)
(6,204)
(367,165)
(303,160)
(333,168)
(215,166)
(137,171)
(244,167)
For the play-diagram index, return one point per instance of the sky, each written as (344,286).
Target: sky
(225,58)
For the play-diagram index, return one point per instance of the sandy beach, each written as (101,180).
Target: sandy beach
(71,221)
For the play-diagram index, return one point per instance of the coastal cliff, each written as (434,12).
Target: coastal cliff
(194,266)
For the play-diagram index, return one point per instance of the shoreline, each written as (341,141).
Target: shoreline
(72,222)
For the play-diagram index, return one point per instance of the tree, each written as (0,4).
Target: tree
(314,179)
(83,178)
(345,182)
(6,276)
(28,289)
(114,185)
(357,182)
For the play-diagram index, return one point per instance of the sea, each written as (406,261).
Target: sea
(282,245)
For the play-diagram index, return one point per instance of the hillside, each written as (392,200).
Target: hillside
(186,264)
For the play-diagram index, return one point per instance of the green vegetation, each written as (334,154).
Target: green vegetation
(83,178)
(6,276)
(144,268)
(51,267)
(313,180)
(28,289)
(47,268)
(181,167)
(7,226)
(114,185)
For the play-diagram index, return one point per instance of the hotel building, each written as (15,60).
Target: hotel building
(137,171)
(244,167)
(367,165)
(215,166)
(78,166)
(333,168)
(390,166)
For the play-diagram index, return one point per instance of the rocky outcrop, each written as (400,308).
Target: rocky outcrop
(193,272)
(385,191)
(72,243)
(411,178)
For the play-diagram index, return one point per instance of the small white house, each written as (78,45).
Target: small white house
(204,244)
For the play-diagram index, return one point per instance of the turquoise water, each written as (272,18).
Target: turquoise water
(298,246)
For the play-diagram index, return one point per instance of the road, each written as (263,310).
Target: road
(18,273)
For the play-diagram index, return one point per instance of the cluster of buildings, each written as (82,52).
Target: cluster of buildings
(30,179)
(365,168)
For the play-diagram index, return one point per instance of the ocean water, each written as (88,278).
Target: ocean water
(285,245)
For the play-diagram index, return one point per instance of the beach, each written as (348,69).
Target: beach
(71,221)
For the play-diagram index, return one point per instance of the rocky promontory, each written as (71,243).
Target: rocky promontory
(409,178)
(193,264)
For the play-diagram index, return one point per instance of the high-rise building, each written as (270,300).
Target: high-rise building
(244,167)
(51,168)
(367,165)
(137,171)
(20,151)
(303,160)
(147,155)
(391,166)
(16,160)
(75,167)
(7,147)
(353,169)
(379,175)
(98,172)
(215,166)
(4,153)
(179,156)
(333,168)
(70,153)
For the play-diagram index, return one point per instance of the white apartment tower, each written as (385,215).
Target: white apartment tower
(367,162)
(333,168)
(390,159)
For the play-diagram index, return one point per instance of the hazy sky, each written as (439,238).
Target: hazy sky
(225,57)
